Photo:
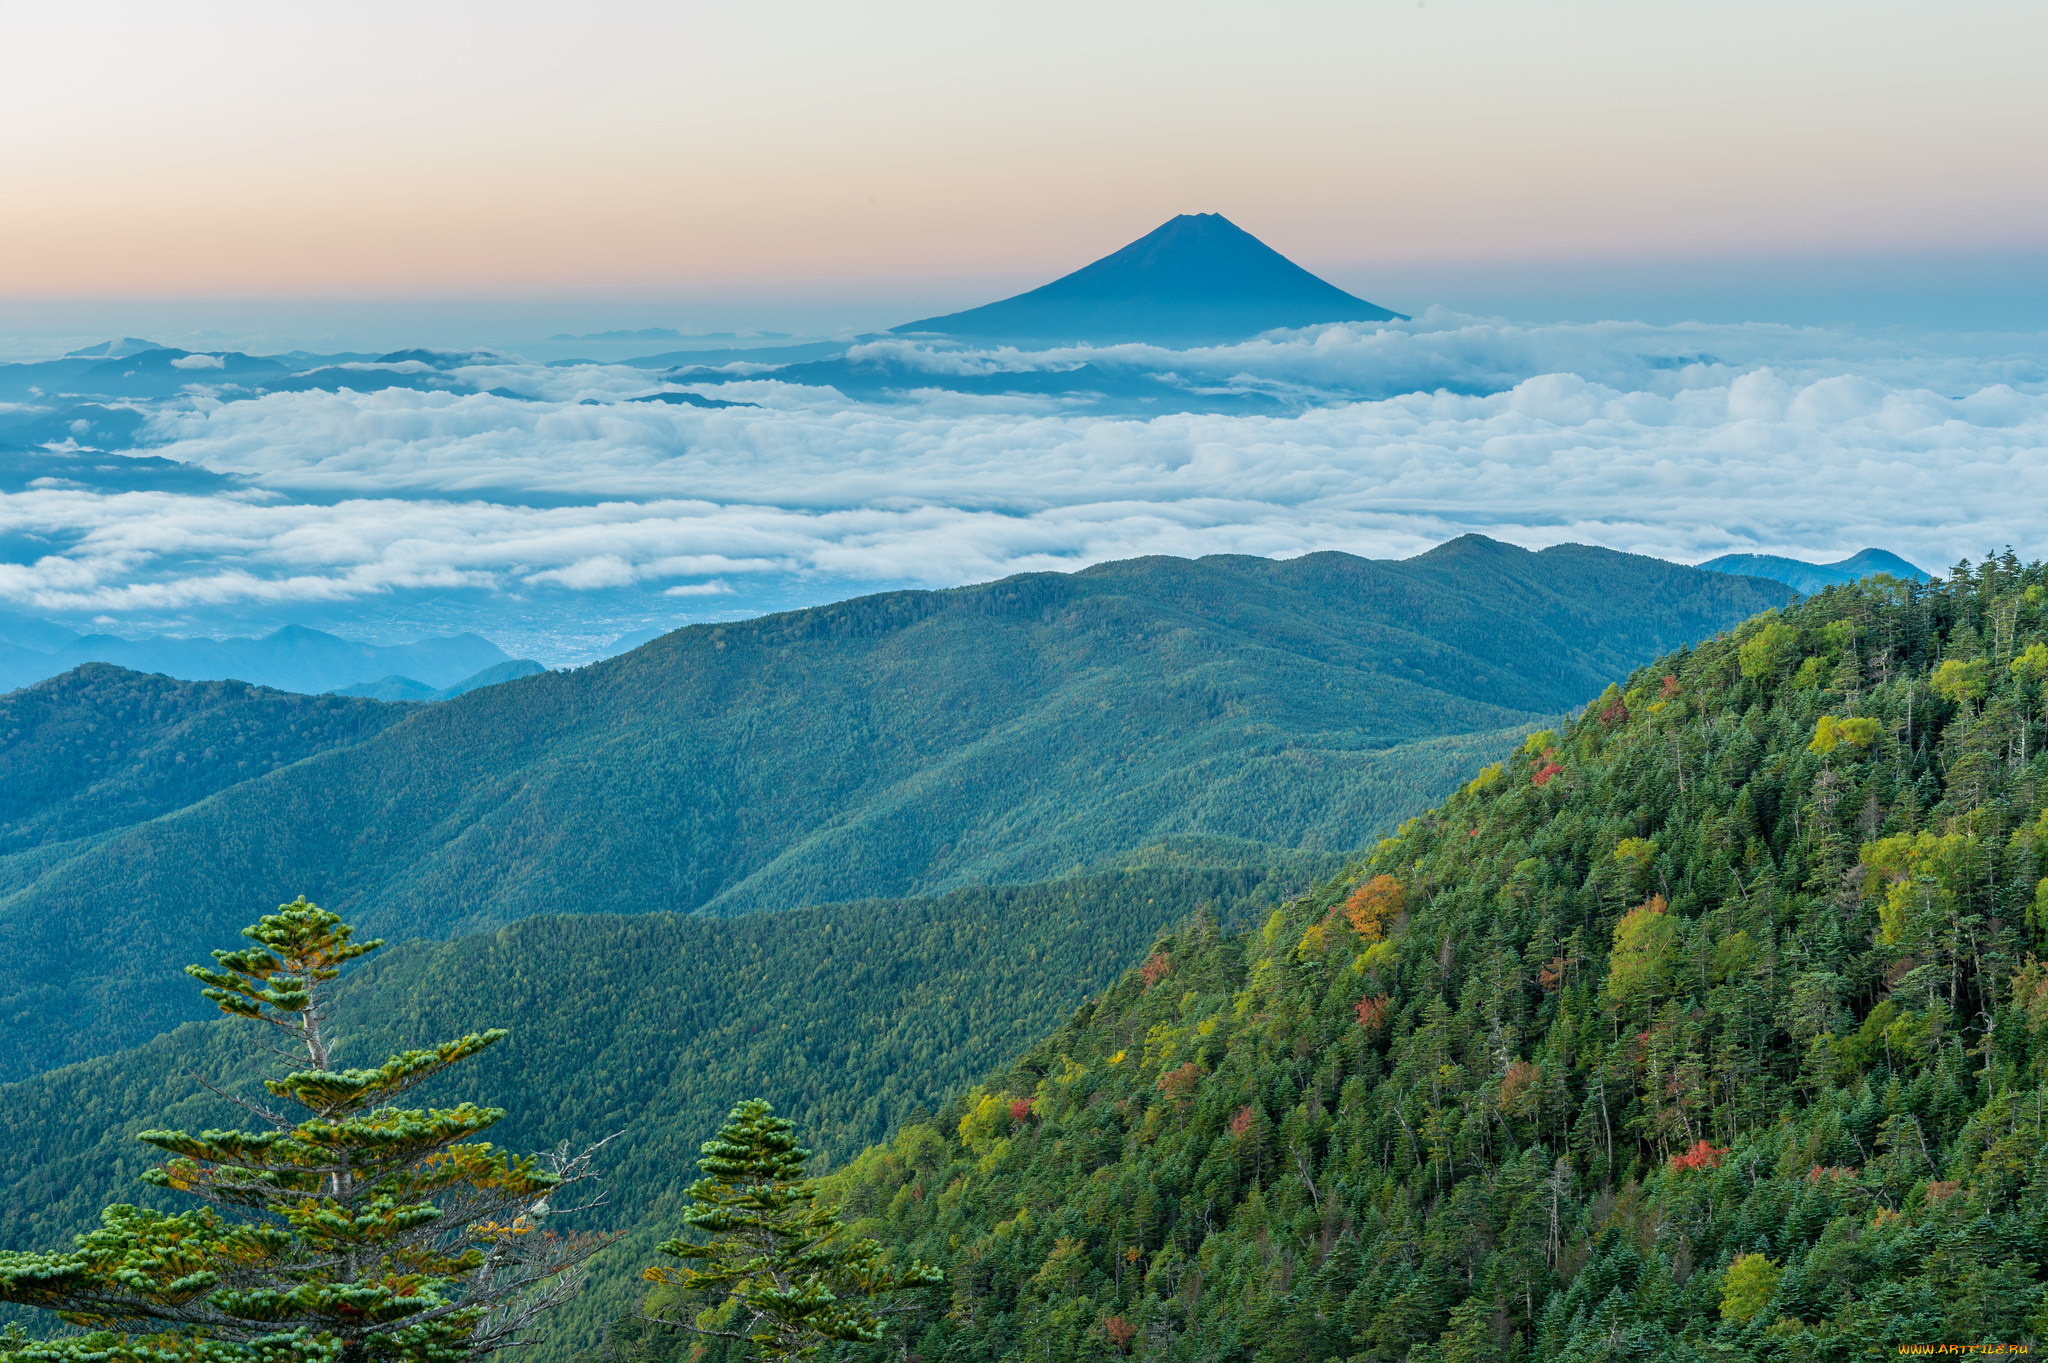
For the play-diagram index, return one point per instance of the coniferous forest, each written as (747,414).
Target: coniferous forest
(1705,1023)
(1708,1025)
(907,743)
(850,1018)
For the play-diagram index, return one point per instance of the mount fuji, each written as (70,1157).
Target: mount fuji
(1198,279)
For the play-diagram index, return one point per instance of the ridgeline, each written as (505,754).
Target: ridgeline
(908,743)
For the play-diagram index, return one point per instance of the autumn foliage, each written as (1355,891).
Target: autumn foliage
(1519,1079)
(1551,975)
(1155,968)
(1373,907)
(1181,1083)
(1645,939)
(1701,1155)
(1372,1012)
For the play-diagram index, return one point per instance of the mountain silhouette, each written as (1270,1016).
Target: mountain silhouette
(1199,279)
(1808,578)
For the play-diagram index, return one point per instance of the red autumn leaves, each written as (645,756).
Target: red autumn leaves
(1372,1012)
(1702,1155)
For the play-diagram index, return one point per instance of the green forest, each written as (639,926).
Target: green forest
(851,1019)
(102,748)
(1705,1023)
(901,744)
(1708,1025)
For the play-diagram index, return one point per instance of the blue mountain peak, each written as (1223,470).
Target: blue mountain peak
(1198,279)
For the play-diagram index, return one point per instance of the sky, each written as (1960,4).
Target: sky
(1686,280)
(833,160)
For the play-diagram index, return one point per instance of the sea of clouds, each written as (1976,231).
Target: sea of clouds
(555,512)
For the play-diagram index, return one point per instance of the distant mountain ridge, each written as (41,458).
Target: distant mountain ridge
(1198,279)
(120,349)
(908,742)
(405,688)
(1808,578)
(293,658)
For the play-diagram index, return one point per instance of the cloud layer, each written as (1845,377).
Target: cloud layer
(531,509)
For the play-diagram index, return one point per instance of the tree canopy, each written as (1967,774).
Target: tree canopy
(1687,1041)
(351,1229)
(774,1267)
(905,743)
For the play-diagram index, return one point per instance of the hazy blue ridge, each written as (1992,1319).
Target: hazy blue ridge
(1808,578)
(25,466)
(905,743)
(397,688)
(126,345)
(166,372)
(293,658)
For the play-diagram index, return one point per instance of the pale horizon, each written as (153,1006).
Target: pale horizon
(1675,280)
(228,150)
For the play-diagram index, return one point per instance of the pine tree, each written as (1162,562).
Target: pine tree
(790,1279)
(356,1230)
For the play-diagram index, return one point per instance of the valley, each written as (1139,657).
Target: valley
(1356,1104)
(908,743)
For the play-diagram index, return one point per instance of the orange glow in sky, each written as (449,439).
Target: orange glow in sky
(221,148)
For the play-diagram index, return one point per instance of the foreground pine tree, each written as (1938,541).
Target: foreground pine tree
(778,1271)
(353,1230)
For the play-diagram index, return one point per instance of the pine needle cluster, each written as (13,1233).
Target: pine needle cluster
(344,1229)
(777,1267)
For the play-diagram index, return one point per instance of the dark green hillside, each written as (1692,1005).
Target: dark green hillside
(102,747)
(853,1016)
(901,743)
(1711,1027)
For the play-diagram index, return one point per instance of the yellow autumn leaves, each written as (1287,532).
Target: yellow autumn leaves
(1831,732)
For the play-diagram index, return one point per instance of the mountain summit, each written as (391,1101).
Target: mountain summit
(1199,279)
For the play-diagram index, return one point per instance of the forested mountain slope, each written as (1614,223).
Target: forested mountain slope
(102,747)
(906,742)
(1709,1027)
(854,1017)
